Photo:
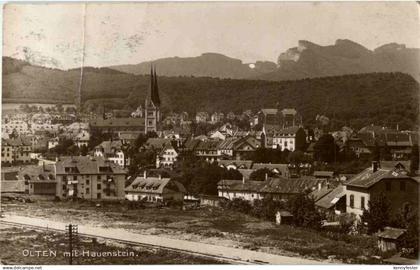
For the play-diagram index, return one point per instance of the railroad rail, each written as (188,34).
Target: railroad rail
(134,243)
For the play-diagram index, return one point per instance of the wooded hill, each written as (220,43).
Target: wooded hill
(355,100)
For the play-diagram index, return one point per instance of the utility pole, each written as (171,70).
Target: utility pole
(71,234)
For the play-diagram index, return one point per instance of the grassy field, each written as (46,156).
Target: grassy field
(209,225)
(27,246)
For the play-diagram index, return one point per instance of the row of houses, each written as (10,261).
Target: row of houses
(90,178)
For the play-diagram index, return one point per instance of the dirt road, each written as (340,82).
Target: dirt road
(234,254)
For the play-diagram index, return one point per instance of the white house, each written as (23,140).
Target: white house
(167,157)
(285,138)
(112,151)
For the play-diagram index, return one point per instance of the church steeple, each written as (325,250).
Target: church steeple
(155,96)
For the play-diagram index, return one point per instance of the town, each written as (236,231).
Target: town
(271,164)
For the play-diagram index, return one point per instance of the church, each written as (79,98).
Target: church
(152,115)
(142,120)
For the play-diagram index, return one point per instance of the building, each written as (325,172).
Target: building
(53,142)
(17,150)
(235,164)
(155,189)
(89,178)
(276,188)
(82,139)
(399,188)
(207,150)
(285,138)
(388,238)
(20,127)
(117,125)
(289,117)
(113,151)
(201,117)
(279,169)
(167,157)
(217,117)
(152,114)
(39,180)
(330,201)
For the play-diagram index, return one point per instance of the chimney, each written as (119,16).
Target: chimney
(375,166)
(266,176)
(160,177)
(144,174)
(319,186)
(243,180)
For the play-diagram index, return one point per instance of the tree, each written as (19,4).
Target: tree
(260,174)
(325,148)
(300,140)
(377,216)
(414,164)
(267,208)
(84,150)
(302,207)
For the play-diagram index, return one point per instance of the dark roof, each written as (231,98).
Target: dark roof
(156,143)
(319,193)
(154,185)
(118,122)
(330,199)
(238,185)
(288,130)
(87,165)
(35,173)
(391,233)
(271,166)
(368,178)
(246,164)
(207,145)
(323,173)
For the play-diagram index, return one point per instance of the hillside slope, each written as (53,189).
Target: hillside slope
(382,98)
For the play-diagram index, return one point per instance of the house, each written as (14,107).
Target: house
(276,188)
(399,188)
(10,182)
(225,148)
(155,189)
(201,117)
(113,151)
(89,178)
(82,139)
(289,117)
(53,142)
(218,135)
(388,238)
(155,144)
(284,217)
(39,180)
(20,127)
(217,117)
(235,164)
(285,138)
(128,137)
(358,147)
(207,150)
(244,147)
(16,150)
(166,157)
(116,125)
(330,201)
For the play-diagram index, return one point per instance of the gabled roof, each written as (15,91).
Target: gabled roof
(227,144)
(323,173)
(19,141)
(270,166)
(288,186)
(108,147)
(36,173)
(118,122)
(156,143)
(286,131)
(245,164)
(154,185)
(249,140)
(391,233)
(207,145)
(87,165)
(368,178)
(269,111)
(238,185)
(331,197)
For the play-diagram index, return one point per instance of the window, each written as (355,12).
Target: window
(87,190)
(352,201)
(75,177)
(98,186)
(388,186)
(362,202)
(87,182)
(402,185)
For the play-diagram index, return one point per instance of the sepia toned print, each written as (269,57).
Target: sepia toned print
(238,133)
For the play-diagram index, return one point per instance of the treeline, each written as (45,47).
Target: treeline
(352,100)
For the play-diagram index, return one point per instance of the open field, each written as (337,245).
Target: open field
(207,225)
(28,246)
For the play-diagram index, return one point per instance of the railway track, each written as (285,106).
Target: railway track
(226,259)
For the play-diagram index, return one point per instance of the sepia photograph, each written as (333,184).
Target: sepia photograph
(210,133)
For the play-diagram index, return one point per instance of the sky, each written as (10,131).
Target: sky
(68,35)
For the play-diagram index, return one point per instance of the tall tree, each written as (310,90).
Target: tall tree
(414,164)
(300,140)
(325,149)
(378,214)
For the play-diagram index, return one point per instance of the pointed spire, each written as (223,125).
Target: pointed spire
(155,97)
